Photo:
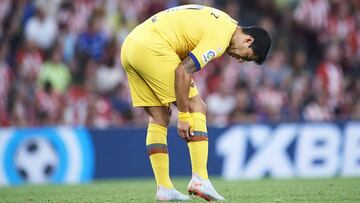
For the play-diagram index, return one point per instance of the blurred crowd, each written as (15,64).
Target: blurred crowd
(59,63)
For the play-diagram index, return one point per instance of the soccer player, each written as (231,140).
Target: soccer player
(159,57)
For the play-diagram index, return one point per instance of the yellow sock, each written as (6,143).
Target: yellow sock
(157,149)
(198,145)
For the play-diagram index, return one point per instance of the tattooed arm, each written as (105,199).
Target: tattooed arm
(183,75)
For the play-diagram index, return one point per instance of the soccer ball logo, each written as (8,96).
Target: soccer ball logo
(36,160)
(45,155)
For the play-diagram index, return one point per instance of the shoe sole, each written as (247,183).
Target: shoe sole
(172,200)
(201,195)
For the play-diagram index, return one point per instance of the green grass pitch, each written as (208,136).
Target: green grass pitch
(143,190)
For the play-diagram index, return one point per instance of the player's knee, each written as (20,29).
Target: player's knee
(203,107)
(158,115)
(166,119)
(160,121)
(197,105)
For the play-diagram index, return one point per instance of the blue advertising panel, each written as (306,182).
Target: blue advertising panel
(242,151)
(252,151)
(290,150)
(122,153)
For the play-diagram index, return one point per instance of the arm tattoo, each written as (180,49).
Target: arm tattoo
(189,65)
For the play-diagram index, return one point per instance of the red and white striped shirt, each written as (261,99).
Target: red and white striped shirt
(313,13)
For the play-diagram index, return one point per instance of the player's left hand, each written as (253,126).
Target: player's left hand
(185,125)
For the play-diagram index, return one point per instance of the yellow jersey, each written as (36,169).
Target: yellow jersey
(201,32)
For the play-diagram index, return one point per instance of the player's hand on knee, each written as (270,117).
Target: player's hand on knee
(184,130)
(185,125)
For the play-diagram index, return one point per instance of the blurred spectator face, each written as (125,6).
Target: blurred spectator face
(300,59)
(242,98)
(31,46)
(96,21)
(332,53)
(40,14)
(65,13)
(57,55)
(278,60)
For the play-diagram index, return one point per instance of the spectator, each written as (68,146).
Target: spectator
(4,9)
(100,112)
(219,105)
(270,101)
(312,73)
(55,72)
(47,25)
(67,36)
(299,85)
(91,43)
(5,83)
(12,30)
(108,76)
(77,103)
(29,61)
(244,105)
(277,70)
(22,107)
(312,14)
(120,103)
(341,23)
(318,109)
(48,105)
(329,76)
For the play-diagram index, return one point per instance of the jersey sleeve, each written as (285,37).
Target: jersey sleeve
(213,43)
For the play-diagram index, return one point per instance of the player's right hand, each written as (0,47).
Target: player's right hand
(185,125)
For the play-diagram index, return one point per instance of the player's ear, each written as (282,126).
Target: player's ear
(248,40)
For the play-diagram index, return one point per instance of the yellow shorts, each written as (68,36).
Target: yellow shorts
(151,74)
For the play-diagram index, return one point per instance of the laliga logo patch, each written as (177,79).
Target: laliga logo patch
(208,56)
(45,155)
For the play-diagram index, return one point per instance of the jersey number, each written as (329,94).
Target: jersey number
(216,16)
(191,7)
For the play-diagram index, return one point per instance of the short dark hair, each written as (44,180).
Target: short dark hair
(261,43)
